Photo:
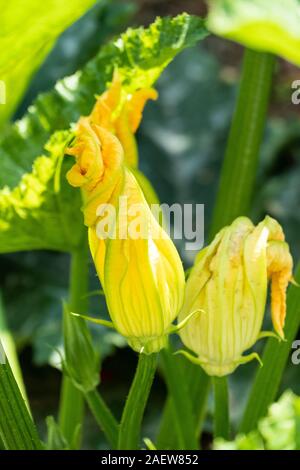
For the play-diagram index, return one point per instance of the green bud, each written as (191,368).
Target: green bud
(81,362)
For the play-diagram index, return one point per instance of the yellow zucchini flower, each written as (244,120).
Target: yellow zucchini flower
(121,112)
(138,265)
(229,281)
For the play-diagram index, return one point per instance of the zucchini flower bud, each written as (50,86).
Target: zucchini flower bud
(229,282)
(81,362)
(138,265)
(121,113)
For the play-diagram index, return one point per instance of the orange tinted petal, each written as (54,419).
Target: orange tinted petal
(136,106)
(280,266)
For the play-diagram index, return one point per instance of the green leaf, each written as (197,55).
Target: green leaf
(140,54)
(277,431)
(259,24)
(35,211)
(55,438)
(17,431)
(27,36)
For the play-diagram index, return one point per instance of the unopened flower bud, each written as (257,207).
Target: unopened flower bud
(81,362)
(138,265)
(229,282)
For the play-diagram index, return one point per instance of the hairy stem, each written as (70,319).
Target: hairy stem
(130,427)
(221,414)
(242,151)
(103,416)
(71,408)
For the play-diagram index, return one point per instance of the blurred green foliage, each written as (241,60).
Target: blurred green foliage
(181,141)
(279,430)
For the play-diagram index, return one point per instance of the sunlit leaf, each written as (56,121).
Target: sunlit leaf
(36,213)
(28,32)
(259,24)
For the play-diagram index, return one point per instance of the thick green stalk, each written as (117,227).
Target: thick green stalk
(198,386)
(181,403)
(221,413)
(241,157)
(242,152)
(71,408)
(275,356)
(17,431)
(103,416)
(240,165)
(130,427)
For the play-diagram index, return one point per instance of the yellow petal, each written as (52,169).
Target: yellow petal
(148,273)
(107,104)
(136,106)
(280,266)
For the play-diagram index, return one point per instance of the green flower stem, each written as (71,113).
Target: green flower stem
(103,416)
(241,157)
(71,411)
(169,437)
(71,408)
(17,431)
(130,427)
(10,348)
(221,414)
(182,407)
(275,356)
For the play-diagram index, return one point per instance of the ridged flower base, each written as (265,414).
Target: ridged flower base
(148,345)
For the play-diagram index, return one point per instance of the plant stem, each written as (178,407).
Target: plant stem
(130,427)
(103,416)
(71,409)
(169,437)
(181,402)
(221,414)
(17,431)
(241,157)
(275,356)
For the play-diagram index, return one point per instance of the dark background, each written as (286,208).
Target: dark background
(181,143)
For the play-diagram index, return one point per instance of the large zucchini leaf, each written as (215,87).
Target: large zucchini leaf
(36,211)
(28,32)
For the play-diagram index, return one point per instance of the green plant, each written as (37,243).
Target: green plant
(143,282)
